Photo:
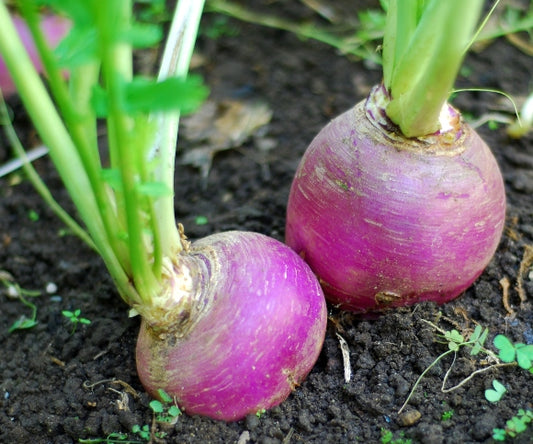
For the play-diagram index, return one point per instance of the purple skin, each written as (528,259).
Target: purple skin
(256,333)
(387,222)
(53,26)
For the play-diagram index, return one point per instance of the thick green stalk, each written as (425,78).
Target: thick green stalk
(115,18)
(62,149)
(175,62)
(420,67)
(79,119)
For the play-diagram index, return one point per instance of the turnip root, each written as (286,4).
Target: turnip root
(387,221)
(249,323)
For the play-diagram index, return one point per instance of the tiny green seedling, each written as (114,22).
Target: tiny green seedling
(496,393)
(260,413)
(164,411)
(75,318)
(143,432)
(33,215)
(387,437)
(514,426)
(200,220)
(447,415)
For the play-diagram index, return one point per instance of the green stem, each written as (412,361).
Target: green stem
(62,149)
(446,353)
(80,121)
(420,65)
(175,62)
(115,17)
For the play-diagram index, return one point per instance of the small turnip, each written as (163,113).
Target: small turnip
(248,329)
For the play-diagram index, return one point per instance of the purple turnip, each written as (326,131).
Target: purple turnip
(249,327)
(398,200)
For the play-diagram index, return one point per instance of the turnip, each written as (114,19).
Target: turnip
(230,324)
(398,200)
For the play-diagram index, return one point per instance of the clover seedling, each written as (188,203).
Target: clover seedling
(495,394)
(514,426)
(509,352)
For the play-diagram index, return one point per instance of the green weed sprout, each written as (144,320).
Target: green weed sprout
(75,318)
(165,411)
(509,354)
(514,426)
(495,394)
(387,437)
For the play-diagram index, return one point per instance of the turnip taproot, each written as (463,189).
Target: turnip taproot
(398,200)
(229,324)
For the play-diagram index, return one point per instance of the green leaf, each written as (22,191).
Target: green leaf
(164,396)
(154,189)
(498,434)
(142,35)
(479,336)
(507,350)
(156,406)
(455,339)
(78,47)
(453,346)
(524,355)
(476,334)
(143,95)
(112,177)
(174,411)
(22,323)
(496,394)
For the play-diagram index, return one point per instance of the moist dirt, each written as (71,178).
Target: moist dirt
(59,385)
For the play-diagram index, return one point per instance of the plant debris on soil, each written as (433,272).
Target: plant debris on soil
(59,384)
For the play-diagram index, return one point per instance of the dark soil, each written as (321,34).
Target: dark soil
(59,386)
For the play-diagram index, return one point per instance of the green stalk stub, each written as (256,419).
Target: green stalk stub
(423,48)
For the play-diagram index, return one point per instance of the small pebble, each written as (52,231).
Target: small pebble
(409,417)
(244,437)
(51,288)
